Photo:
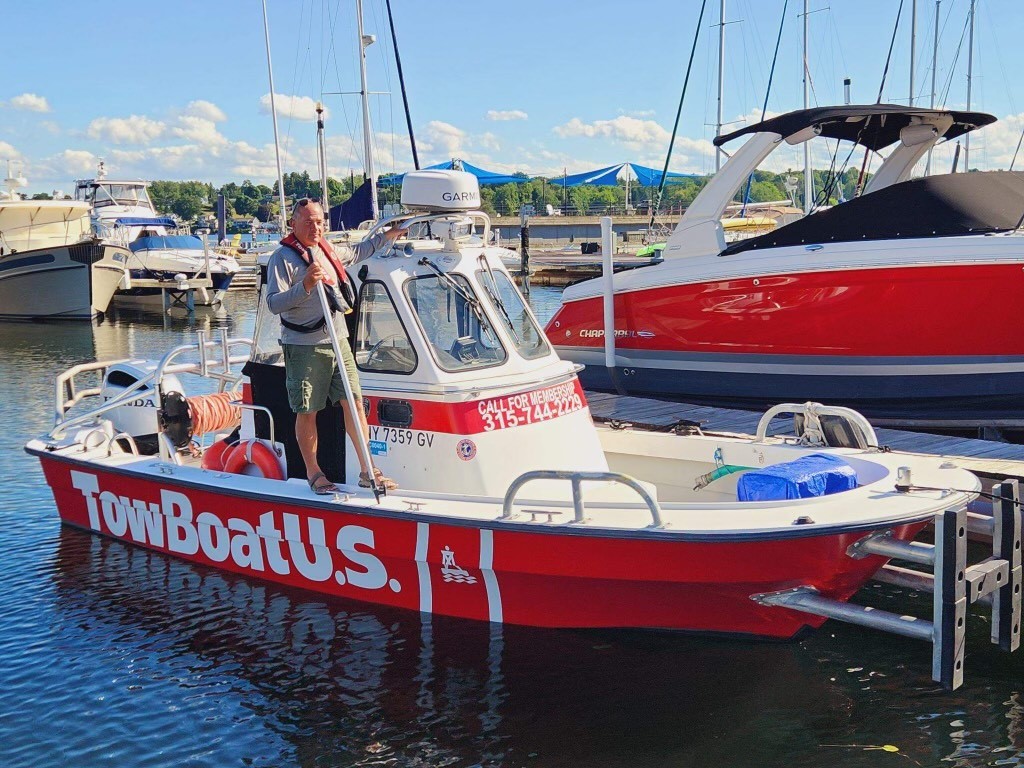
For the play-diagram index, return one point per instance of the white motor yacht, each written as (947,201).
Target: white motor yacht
(123,214)
(50,263)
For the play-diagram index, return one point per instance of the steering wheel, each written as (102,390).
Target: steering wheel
(370,362)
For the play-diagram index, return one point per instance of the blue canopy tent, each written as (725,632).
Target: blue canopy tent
(604,177)
(651,177)
(645,177)
(484,177)
(609,176)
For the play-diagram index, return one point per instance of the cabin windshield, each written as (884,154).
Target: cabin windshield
(120,194)
(513,314)
(453,322)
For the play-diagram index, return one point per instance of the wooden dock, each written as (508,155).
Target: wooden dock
(986,458)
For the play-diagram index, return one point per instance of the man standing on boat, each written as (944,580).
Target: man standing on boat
(312,373)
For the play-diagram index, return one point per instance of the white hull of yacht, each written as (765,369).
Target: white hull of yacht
(68,282)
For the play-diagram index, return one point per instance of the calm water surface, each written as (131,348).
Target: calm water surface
(113,656)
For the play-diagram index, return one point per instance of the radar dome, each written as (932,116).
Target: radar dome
(437,190)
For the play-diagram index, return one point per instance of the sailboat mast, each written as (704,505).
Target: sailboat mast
(935,66)
(808,181)
(913,48)
(273,114)
(364,42)
(970,74)
(721,80)
(321,157)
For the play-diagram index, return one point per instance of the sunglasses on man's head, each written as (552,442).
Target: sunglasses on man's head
(303,202)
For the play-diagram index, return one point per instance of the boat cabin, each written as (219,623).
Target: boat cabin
(27,225)
(101,193)
(452,361)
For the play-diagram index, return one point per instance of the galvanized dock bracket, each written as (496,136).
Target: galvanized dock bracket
(954,584)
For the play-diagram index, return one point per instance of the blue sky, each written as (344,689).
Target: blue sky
(179,90)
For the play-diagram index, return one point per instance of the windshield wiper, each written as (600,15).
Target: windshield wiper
(482,260)
(452,285)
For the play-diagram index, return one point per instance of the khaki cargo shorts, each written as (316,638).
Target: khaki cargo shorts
(312,378)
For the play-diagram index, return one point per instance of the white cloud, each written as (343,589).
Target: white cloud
(205,110)
(488,141)
(119,158)
(30,102)
(506,114)
(445,137)
(201,131)
(993,146)
(8,152)
(628,130)
(292,107)
(134,129)
(75,161)
(645,140)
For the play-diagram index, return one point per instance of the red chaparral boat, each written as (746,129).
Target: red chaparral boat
(890,303)
(514,505)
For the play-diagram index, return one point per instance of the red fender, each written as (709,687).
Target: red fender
(254,453)
(215,455)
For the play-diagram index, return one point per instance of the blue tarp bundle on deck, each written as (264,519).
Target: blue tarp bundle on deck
(818,474)
(166,242)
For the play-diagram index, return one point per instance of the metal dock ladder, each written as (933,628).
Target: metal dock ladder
(994,581)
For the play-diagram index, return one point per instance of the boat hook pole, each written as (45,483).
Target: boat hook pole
(359,442)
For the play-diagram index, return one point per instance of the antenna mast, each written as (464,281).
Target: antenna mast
(365,41)
(273,114)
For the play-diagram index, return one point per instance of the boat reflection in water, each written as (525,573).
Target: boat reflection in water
(296,680)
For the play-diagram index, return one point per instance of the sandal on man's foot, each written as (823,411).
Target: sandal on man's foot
(382,482)
(322,490)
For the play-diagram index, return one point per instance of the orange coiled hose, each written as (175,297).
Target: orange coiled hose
(213,413)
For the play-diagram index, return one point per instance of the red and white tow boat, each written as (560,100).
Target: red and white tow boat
(898,303)
(514,505)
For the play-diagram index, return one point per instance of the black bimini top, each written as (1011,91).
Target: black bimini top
(933,206)
(874,126)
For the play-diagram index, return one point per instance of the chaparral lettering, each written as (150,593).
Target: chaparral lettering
(279,542)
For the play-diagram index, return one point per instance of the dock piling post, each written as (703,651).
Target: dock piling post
(524,249)
(950,601)
(608,276)
(1006,545)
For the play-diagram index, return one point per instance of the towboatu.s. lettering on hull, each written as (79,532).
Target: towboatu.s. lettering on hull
(396,562)
(284,543)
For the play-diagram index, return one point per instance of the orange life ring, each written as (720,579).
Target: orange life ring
(254,453)
(214,456)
